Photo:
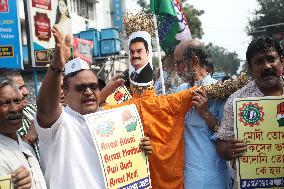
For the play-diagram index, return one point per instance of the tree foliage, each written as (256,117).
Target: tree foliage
(224,60)
(192,16)
(270,12)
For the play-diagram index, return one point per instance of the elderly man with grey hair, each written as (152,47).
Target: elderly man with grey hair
(16,157)
(203,168)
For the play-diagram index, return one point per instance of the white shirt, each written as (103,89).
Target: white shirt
(68,155)
(12,157)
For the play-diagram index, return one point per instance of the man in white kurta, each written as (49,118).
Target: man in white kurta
(68,156)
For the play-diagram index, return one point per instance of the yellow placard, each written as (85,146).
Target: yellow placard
(116,134)
(121,94)
(260,122)
(6,182)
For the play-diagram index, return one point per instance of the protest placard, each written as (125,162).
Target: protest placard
(6,182)
(116,134)
(260,122)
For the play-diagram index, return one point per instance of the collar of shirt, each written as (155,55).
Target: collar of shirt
(69,110)
(207,80)
(14,145)
(139,69)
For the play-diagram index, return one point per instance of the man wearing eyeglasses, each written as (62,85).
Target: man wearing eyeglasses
(68,155)
(139,53)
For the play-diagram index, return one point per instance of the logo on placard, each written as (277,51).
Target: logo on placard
(129,121)
(251,114)
(105,129)
(280,114)
(120,97)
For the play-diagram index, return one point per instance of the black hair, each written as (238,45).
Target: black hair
(102,83)
(196,50)
(140,39)
(262,44)
(58,14)
(9,73)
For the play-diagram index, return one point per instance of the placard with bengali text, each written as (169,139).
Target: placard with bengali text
(260,122)
(116,134)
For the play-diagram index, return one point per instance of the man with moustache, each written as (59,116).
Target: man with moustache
(143,72)
(69,158)
(16,157)
(27,132)
(265,61)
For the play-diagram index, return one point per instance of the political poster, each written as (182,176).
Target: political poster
(116,134)
(260,122)
(10,35)
(84,49)
(42,16)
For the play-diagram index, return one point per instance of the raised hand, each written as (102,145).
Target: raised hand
(117,81)
(62,52)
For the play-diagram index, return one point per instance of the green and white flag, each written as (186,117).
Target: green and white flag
(172,24)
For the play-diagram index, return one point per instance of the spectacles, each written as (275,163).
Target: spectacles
(83,87)
(132,52)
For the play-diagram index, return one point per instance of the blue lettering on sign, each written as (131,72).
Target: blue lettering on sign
(139,184)
(262,183)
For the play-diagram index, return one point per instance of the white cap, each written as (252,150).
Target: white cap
(75,65)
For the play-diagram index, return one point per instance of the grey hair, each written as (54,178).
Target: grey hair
(4,82)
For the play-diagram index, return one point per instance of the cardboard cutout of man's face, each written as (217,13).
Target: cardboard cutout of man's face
(140,58)
(138,55)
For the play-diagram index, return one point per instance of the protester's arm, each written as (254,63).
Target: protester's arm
(115,82)
(49,107)
(31,137)
(230,149)
(227,146)
(22,178)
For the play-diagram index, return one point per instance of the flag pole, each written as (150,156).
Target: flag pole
(159,54)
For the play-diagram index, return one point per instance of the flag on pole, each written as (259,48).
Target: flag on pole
(172,24)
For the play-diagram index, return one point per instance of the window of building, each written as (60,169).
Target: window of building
(83,8)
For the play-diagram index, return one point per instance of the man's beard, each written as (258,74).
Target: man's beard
(188,74)
(270,79)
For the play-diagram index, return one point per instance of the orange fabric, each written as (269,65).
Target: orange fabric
(163,122)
